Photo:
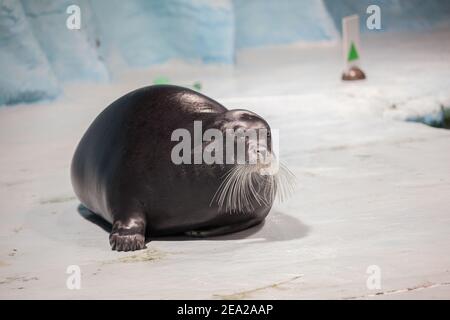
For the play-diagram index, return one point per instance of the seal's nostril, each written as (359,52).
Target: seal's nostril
(262,153)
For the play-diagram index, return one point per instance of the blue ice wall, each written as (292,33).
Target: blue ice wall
(39,54)
(266,22)
(143,32)
(396,15)
(71,53)
(25,74)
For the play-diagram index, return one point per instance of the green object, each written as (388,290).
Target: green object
(197,85)
(161,80)
(353,54)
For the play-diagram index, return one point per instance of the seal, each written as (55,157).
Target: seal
(123,168)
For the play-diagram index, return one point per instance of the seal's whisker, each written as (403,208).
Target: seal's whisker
(243,188)
(247,187)
(285,181)
(258,198)
(236,200)
(221,192)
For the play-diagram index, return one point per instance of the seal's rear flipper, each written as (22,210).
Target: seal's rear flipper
(223,230)
(129,235)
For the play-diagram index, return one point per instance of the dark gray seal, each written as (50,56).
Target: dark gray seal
(122,169)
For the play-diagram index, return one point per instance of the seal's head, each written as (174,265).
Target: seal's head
(256,175)
(251,136)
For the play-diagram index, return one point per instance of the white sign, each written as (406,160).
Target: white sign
(351,47)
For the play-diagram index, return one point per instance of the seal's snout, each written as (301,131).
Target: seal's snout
(258,154)
(264,157)
(262,154)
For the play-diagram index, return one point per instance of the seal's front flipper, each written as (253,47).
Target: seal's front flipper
(224,229)
(128,235)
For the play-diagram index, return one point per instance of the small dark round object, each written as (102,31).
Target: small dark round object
(354,73)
